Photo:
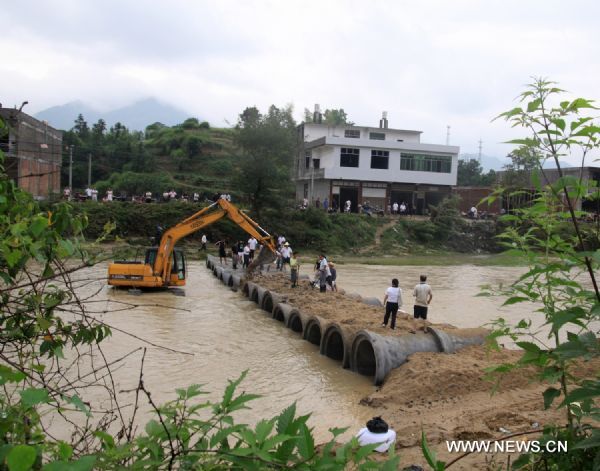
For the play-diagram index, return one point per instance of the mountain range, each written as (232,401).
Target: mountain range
(135,116)
(489,162)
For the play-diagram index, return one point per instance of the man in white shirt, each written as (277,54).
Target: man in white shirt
(395,208)
(392,301)
(377,431)
(423,297)
(204,241)
(286,253)
(252,242)
(246,256)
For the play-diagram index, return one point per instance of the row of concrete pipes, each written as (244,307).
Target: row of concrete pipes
(363,351)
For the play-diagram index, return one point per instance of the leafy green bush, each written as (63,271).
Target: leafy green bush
(560,261)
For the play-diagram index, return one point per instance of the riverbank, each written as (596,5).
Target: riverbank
(447,396)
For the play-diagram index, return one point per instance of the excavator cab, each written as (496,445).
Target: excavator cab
(177,275)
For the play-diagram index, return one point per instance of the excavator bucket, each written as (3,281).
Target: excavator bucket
(264,257)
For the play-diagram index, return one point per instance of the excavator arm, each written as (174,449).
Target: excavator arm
(203,218)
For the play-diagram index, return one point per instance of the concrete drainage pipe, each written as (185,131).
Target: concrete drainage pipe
(226,277)
(235,281)
(297,321)
(376,355)
(454,340)
(282,312)
(372,301)
(355,296)
(313,330)
(270,300)
(259,294)
(336,343)
(249,288)
(218,272)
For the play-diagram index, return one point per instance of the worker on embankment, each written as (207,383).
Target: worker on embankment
(392,301)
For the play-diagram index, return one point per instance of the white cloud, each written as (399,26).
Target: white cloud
(429,64)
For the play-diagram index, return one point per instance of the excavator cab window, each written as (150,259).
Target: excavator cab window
(151,256)
(178,264)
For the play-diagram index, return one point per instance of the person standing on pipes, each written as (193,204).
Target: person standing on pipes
(423,296)
(294,270)
(392,301)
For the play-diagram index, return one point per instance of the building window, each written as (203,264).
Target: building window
(377,136)
(307,156)
(306,190)
(349,157)
(380,159)
(353,133)
(316,163)
(426,163)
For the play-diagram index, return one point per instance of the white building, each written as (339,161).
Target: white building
(374,164)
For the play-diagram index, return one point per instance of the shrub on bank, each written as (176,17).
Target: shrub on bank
(311,229)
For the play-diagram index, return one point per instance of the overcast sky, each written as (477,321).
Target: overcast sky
(429,64)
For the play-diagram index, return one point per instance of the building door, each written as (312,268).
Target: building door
(400,197)
(349,194)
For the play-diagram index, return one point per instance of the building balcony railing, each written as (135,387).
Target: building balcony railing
(311,173)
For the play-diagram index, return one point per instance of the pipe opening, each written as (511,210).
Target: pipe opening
(278,315)
(268,303)
(314,333)
(295,323)
(230,281)
(245,289)
(254,296)
(334,347)
(364,358)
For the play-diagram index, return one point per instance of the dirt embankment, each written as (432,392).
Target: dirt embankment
(448,396)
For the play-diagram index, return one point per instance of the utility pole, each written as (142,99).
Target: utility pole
(71,171)
(89,170)
(448,135)
(480,146)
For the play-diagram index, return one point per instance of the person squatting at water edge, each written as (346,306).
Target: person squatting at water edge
(392,301)
(377,431)
(423,296)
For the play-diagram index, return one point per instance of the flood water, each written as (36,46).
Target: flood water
(227,334)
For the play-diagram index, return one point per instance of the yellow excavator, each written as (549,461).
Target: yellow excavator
(164,265)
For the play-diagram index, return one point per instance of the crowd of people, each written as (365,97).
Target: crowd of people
(91,194)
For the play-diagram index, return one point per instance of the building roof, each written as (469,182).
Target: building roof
(348,126)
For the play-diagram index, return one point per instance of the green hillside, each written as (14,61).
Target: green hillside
(189,157)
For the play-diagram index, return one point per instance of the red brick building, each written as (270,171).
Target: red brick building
(32,153)
(471,196)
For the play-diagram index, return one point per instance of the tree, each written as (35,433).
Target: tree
(551,237)
(332,117)
(99,129)
(81,127)
(470,173)
(267,145)
(523,161)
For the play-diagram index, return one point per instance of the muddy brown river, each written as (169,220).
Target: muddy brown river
(226,334)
